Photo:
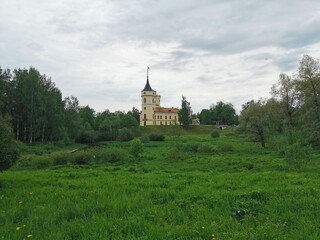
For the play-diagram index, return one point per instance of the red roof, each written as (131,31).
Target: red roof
(166,110)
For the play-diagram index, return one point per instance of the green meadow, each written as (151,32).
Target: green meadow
(190,186)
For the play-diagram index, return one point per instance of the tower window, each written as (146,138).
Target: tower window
(145,116)
(152,100)
(170,117)
(144,108)
(144,100)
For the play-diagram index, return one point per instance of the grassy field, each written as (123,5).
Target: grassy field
(187,187)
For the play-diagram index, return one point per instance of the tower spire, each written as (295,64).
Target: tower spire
(147,87)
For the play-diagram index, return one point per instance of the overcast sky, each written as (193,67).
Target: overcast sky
(206,50)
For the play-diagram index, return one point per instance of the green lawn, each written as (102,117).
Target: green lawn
(237,192)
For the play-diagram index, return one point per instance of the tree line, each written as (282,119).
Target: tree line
(33,106)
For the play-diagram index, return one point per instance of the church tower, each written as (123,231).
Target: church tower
(149,102)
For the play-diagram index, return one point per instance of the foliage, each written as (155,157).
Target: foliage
(156,137)
(185,112)
(254,120)
(144,138)
(223,113)
(215,134)
(205,148)
(9,150)
(226,147)
(136,148)
(298,155)
(125,135)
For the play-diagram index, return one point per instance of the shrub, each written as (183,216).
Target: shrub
(156,137)
(136,148)
(191,147)
(42,162)
(144,138)
(226,147)
(82,157)
(111,155)
(125,135)
(205,148)
(215,134)
(298,155)
(174,154)
(61,158)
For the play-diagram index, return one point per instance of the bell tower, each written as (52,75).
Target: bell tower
(149,102)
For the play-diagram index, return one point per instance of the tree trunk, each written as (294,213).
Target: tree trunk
(43,130)
(262,139)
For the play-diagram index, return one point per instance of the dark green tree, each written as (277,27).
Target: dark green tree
(254,120)
(135,113)
(9,150)
(185,112)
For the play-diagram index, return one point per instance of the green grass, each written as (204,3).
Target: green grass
(245,192)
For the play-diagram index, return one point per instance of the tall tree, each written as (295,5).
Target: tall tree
(286,92)
(8,146)
(135,113)
(72,117)
(254,120)
(309,85)
(185,112)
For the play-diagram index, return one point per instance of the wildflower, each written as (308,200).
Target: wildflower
(18,228)
(20,202)
(30,193)
(29,236)
(202,227)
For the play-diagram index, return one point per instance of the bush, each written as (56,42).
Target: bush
(156,137)
(125,135)
(111,155)
(298,155)
(144,138)
(215,134)
(205,148)
(191,147)
(174,154)
(82,157)
(61,158)
(136,148)
(42,162)
(226,147)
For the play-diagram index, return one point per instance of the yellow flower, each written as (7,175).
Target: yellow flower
(18,228)
(29,236)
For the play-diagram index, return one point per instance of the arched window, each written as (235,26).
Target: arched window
(144,100)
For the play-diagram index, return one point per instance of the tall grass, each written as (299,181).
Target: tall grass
(245,193)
